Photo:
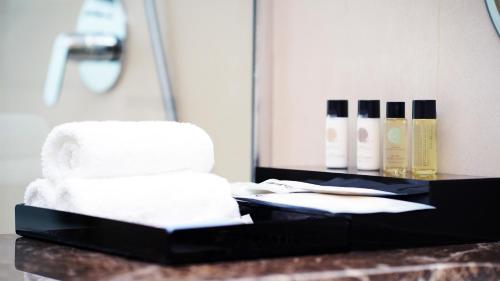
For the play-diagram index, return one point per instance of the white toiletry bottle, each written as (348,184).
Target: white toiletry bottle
(368,135)
(336,134)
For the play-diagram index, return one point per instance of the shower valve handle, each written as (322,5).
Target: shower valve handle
(97,45)
(80,47)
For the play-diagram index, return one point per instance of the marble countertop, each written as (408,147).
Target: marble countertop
(28,259)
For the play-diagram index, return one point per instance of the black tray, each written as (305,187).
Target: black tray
(467,208)
(466,211)
(286,234)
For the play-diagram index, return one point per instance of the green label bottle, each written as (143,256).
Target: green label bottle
(395,159)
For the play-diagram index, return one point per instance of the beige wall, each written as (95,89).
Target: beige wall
(389,50)
(209,51)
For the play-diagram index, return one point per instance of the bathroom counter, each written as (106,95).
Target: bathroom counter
(456,262)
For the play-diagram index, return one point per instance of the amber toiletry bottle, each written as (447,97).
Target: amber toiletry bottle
(424,145)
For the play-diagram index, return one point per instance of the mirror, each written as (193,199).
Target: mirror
(494,11)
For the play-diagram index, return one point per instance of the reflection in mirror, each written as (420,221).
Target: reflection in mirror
(494,11)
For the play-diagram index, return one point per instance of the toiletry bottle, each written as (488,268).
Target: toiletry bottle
(368,135)
(336,134)
(424,148)
(395,143)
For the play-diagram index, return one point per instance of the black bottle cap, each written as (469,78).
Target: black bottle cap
(369,108)
(424,109)
(395,109)
(337,108)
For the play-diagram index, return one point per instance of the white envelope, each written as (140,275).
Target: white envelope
(337,203)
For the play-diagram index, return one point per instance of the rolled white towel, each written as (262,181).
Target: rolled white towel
(175,200)
(104,149)
(41,193)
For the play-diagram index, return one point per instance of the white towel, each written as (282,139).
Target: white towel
(104,149)
(41,193)
(175,200)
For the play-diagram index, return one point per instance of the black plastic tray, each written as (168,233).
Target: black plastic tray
(293,234)
(467,208)
(467,211)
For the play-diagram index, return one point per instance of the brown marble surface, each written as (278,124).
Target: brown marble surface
(27,259)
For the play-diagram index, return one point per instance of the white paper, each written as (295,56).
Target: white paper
(296,186)
(339,203)
(279,186)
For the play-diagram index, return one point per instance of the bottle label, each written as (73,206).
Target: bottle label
(395,148)
(368,143)
(424,145)
(394,136)
(336,142)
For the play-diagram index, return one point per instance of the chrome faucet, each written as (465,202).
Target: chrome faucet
(97,44)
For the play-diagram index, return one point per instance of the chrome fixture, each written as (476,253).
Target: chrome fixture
(97,44)
(160,59)
(493,7)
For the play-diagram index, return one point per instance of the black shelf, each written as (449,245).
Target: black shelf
(466,209)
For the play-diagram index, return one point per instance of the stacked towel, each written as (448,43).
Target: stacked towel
(179,198)
(116,149)
(151,173)
(41,193)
